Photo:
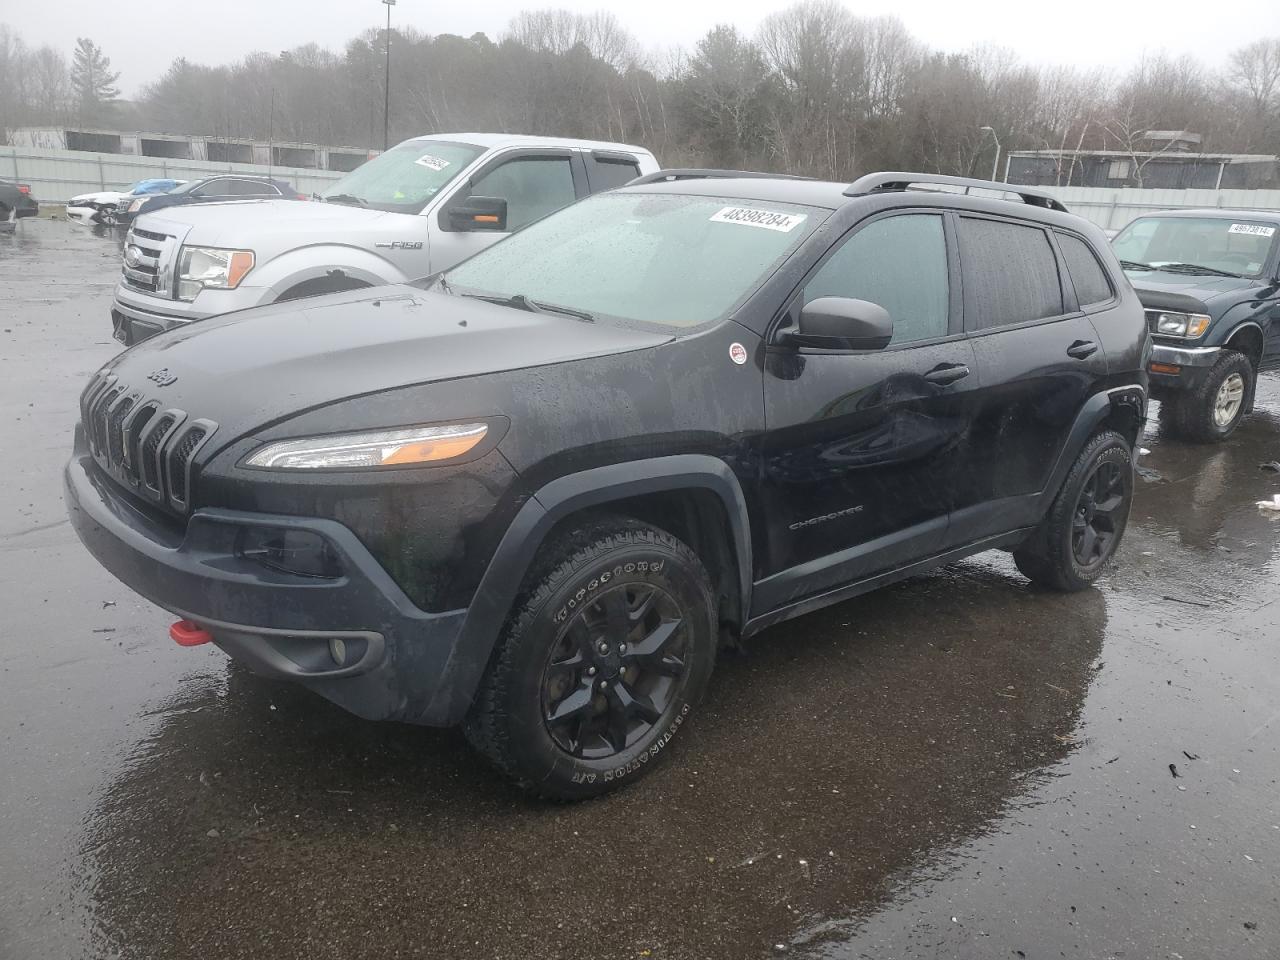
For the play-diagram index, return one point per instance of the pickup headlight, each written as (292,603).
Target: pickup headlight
(211,267)
(374,448)
(1185,325)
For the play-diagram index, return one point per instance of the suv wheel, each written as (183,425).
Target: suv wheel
(600,664)
(1083,528)
(1212,412)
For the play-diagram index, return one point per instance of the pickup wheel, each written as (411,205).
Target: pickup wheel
(606,653)
(320,286)
(1083,528)
(1212,412)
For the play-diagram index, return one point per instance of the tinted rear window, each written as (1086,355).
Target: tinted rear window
(1087,275)
(1010,274)
(605,173)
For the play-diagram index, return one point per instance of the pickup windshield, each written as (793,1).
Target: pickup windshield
(1213,246)
(659,260)
(404,178)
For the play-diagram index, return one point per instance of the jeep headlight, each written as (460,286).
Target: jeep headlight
(212,268)
(374,448)
(1185,325)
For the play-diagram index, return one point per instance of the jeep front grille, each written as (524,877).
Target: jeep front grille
(146,449)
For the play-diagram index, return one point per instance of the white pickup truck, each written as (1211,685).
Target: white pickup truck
(415,210)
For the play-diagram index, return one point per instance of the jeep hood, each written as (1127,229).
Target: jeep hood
(1162,290)
(235,223)
(251,369)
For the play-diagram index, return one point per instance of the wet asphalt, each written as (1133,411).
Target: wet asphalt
(958,766)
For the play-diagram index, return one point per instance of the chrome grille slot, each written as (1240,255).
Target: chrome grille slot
(180,462)
(115,428)
(150,450)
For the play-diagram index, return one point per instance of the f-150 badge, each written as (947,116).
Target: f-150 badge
(399,244)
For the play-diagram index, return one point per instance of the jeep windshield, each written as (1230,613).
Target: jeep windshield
(1208,246)
(404,178)
(663,260)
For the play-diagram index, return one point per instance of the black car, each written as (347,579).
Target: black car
(229,186)
(16,202)
(531,493)
(1210,280)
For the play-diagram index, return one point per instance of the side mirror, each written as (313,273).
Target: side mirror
(842,323)
(479,213)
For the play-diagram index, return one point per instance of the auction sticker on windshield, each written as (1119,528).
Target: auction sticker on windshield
(431,163)
(1252,229)
(750,217)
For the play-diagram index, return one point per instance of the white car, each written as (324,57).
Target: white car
(101,207)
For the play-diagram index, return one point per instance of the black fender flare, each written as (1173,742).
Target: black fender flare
(1130,399)
(551,503)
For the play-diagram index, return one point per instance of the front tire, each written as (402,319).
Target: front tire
(1211,413)
(605,655)
(1082,531)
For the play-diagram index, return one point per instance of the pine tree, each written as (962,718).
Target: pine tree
(93,81)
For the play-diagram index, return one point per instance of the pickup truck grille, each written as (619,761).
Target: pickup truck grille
(144,447)
(146,250)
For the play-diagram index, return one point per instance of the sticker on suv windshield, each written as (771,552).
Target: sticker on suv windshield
(1252,230)
(431,163)
(750,217)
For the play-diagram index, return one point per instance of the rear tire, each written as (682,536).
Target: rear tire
(607,651)
(1082,531)
(1212,412)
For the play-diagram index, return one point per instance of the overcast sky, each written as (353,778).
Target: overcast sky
(142,40)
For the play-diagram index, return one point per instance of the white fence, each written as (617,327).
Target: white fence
(58,175)
(1112,208)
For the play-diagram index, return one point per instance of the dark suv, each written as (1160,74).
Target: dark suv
(530,494)
(1210,280)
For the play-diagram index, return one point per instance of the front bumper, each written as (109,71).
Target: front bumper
(1175,368)
(136,316)
(397,659)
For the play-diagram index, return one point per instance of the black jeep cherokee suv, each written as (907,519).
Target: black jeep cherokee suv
(529,494)
(1210,280)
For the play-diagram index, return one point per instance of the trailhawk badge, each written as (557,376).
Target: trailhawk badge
(738,353)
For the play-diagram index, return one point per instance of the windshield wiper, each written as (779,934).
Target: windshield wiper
(520,301)
(350,198)
(1198,268)
(1135,265)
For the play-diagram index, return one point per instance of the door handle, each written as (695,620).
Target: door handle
(945,373)
(1082,349)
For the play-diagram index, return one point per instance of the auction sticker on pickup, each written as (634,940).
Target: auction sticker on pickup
(431,163)
(751,217)
(1252,229)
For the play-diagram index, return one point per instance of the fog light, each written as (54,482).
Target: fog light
(338,650)
(1166,368)
(299,552)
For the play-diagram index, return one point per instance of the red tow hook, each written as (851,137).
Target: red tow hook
(187,634)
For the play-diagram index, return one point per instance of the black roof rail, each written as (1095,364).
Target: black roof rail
(698,173)
(885,182)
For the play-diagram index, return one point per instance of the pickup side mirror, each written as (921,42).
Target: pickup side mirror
(842,323)
(479,213)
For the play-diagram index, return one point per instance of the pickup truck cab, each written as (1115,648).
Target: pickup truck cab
(1210,283)
(417,209)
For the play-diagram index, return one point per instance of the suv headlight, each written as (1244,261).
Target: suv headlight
(211,267)
(374,448)
(136,205)
(1185,325)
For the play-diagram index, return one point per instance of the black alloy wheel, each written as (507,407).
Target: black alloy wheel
(1102,503)
(614,670)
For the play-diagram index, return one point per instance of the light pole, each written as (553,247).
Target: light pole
(995,163)
(386,81)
